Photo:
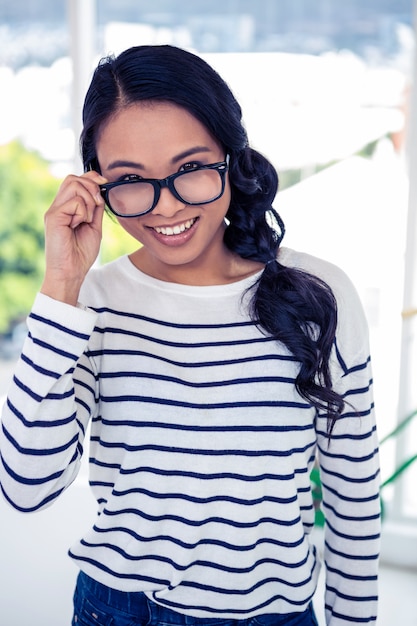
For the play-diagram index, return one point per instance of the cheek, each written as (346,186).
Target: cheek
(133,227)
(226,199)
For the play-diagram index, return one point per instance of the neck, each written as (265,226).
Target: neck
(227,268)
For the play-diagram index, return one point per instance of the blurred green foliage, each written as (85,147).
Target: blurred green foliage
(27,189)
(116,241)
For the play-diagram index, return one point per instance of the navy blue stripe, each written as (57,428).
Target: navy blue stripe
(349,414)
(345,498)
(83,368)
(101,483)
(182,344)
(150,355)
(51,348)
(196,563)
(347,436)
(336,533)
(350,479)
(248,590)
(30,481)
(345,596)
(100,566)
(39,369)
(339,358)
(355,391)
(233,611)
(207,429)
(350,518)
(196,500)
(26,390)
(84,385)
(35,451)
(357,577)
(200,451)
(217,476)
(83,404)
(204,405)
(168,324)
(60,396)
(351,557)
(204,522)
(348,370)
(186,383)
(116,466)
(36,507)
(38,423)
(64,329)
(345,457)
(270,541)
(80,426)
(350,618)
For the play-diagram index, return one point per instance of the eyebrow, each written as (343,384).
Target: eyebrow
(179,157)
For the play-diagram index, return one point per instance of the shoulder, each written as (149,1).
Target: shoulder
(349,306)
(331,274)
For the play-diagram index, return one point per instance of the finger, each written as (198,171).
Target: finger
(80,187)
(97,221)
(71,213)
(95,176)
(79,212)
(98,180)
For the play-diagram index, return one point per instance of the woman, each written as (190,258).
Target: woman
(213,365)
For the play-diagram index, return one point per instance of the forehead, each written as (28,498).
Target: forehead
(151,132)
(152,119)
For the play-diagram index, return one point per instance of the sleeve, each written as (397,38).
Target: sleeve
(349,468)
(50,401)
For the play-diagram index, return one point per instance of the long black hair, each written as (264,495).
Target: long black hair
(291,305)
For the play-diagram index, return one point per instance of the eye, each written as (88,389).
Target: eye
(132,177)
(187,167)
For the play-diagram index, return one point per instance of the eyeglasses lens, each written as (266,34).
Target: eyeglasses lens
(131,198)
(199,186)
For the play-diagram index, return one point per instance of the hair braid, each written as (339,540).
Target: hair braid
(291,305)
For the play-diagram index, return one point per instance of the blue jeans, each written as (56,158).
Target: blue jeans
(98,605)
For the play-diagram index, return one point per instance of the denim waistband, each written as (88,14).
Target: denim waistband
(143,610)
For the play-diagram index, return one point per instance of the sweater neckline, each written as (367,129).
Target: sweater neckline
(136,274)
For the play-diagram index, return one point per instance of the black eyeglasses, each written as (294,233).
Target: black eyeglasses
(201,185)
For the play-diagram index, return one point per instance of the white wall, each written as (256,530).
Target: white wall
(37,577)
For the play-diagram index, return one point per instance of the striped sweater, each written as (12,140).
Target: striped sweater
(200,446)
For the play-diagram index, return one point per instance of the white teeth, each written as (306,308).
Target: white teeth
(175,230)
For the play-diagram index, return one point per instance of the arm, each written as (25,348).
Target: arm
(349,468)
(52,393)
(50,402)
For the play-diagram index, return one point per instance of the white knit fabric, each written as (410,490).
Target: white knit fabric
(201,448)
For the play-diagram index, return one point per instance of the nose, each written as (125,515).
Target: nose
(167,204)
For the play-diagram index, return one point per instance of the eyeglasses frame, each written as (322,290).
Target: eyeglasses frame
(160,183)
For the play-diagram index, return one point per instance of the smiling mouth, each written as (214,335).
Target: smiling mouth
(175,230)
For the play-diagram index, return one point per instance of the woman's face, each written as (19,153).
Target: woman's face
(155,140)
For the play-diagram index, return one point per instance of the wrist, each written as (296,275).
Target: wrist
(63,291)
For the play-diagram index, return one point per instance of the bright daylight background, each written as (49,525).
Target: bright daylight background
(325,89)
